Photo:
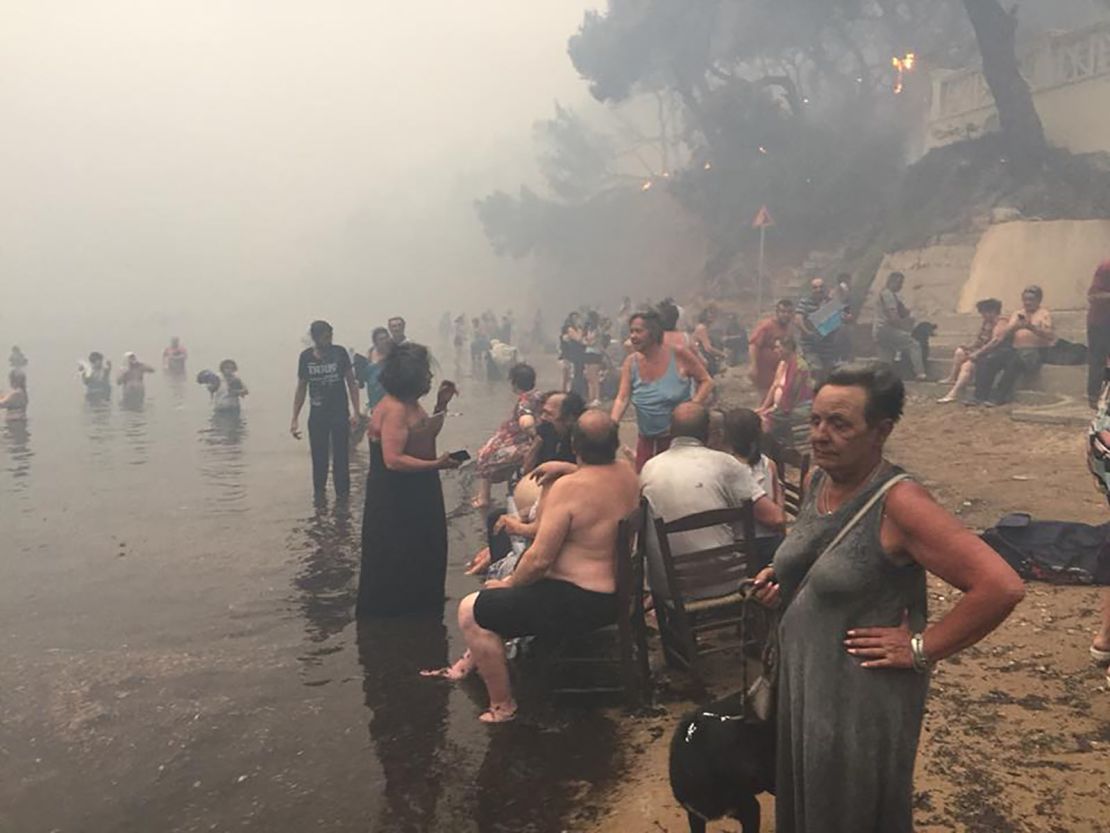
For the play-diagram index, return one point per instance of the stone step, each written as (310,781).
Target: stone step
(1061,380)
(1038,407)
(1044,387)
(958,328)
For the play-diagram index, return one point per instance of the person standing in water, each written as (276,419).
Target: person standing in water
(227,389)
(404,526)
(322,372)
(97,376)
(369,367)
(131,378)
(174,357)
(14,402)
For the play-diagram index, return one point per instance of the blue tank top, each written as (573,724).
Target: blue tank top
(654,401)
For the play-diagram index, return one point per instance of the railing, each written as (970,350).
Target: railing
(1058,59)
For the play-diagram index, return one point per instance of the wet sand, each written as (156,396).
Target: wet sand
(180,648)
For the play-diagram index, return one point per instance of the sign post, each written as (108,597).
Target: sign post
(763,221)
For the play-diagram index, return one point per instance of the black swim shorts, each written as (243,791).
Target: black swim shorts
(546,608)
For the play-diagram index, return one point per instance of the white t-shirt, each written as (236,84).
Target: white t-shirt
(686,479)
(761,474)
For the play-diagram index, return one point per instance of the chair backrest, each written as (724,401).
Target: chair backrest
(692,574)
(793,489)
(630,568)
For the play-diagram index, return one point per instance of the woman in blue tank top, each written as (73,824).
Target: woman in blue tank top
(655,379)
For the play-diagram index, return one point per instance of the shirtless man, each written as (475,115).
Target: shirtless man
(1030,331)
(566,581)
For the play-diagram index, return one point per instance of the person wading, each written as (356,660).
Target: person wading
(322,372)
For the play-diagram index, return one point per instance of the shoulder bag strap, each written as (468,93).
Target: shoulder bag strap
(856,518)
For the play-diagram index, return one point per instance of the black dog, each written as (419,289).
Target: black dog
(720,762)
(921,334)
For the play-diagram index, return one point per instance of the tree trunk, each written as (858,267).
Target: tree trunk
(995,31)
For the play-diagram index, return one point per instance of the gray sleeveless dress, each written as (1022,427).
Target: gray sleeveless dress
(847,736)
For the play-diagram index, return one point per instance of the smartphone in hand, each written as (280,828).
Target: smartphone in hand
(462,455)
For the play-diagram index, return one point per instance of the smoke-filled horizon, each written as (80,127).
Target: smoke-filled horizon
(263,163)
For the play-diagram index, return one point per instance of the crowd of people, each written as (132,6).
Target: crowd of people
(847,575)
(95,374)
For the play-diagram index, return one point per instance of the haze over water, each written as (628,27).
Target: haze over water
(180,652)
(176,615)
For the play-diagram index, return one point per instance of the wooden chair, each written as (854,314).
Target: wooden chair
(629,631)
(793,490)
(687,613)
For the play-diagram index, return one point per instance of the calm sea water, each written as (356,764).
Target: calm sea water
(179,646)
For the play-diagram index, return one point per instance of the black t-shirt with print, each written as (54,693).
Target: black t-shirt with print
(327,380)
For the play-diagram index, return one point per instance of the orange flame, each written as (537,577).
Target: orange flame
(901,66)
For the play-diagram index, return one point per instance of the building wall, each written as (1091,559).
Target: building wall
(944,280)
(1070,77)
(1058,255)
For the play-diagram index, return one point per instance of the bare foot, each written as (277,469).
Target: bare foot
(459,671)
(479,563)
(499,714)
(946,399)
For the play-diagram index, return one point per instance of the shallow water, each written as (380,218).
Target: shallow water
(179,643)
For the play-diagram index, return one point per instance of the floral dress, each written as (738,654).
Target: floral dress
(505,450)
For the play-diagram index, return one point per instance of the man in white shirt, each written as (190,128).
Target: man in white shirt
(689,478)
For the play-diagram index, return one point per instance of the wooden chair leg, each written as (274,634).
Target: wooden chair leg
(643,660)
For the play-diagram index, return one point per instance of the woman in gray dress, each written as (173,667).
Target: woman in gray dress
(855,644)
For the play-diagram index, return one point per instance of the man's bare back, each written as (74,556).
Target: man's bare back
(580,518)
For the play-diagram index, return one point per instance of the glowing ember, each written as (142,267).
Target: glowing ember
(763,150)
(901,66)
(647,186)
(708,166)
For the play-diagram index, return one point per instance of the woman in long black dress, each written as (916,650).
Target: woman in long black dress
(404,527)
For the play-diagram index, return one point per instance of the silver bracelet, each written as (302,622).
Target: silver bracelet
(917,650)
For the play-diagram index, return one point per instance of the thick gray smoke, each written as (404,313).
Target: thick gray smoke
(183,166)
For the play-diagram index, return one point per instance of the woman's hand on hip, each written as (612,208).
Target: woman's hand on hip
(882,647)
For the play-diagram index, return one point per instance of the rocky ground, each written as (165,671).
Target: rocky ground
(1017,736)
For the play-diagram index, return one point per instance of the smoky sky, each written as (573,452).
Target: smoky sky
(161,159)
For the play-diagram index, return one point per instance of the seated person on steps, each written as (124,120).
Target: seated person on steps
(1030,331)
(993,333)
